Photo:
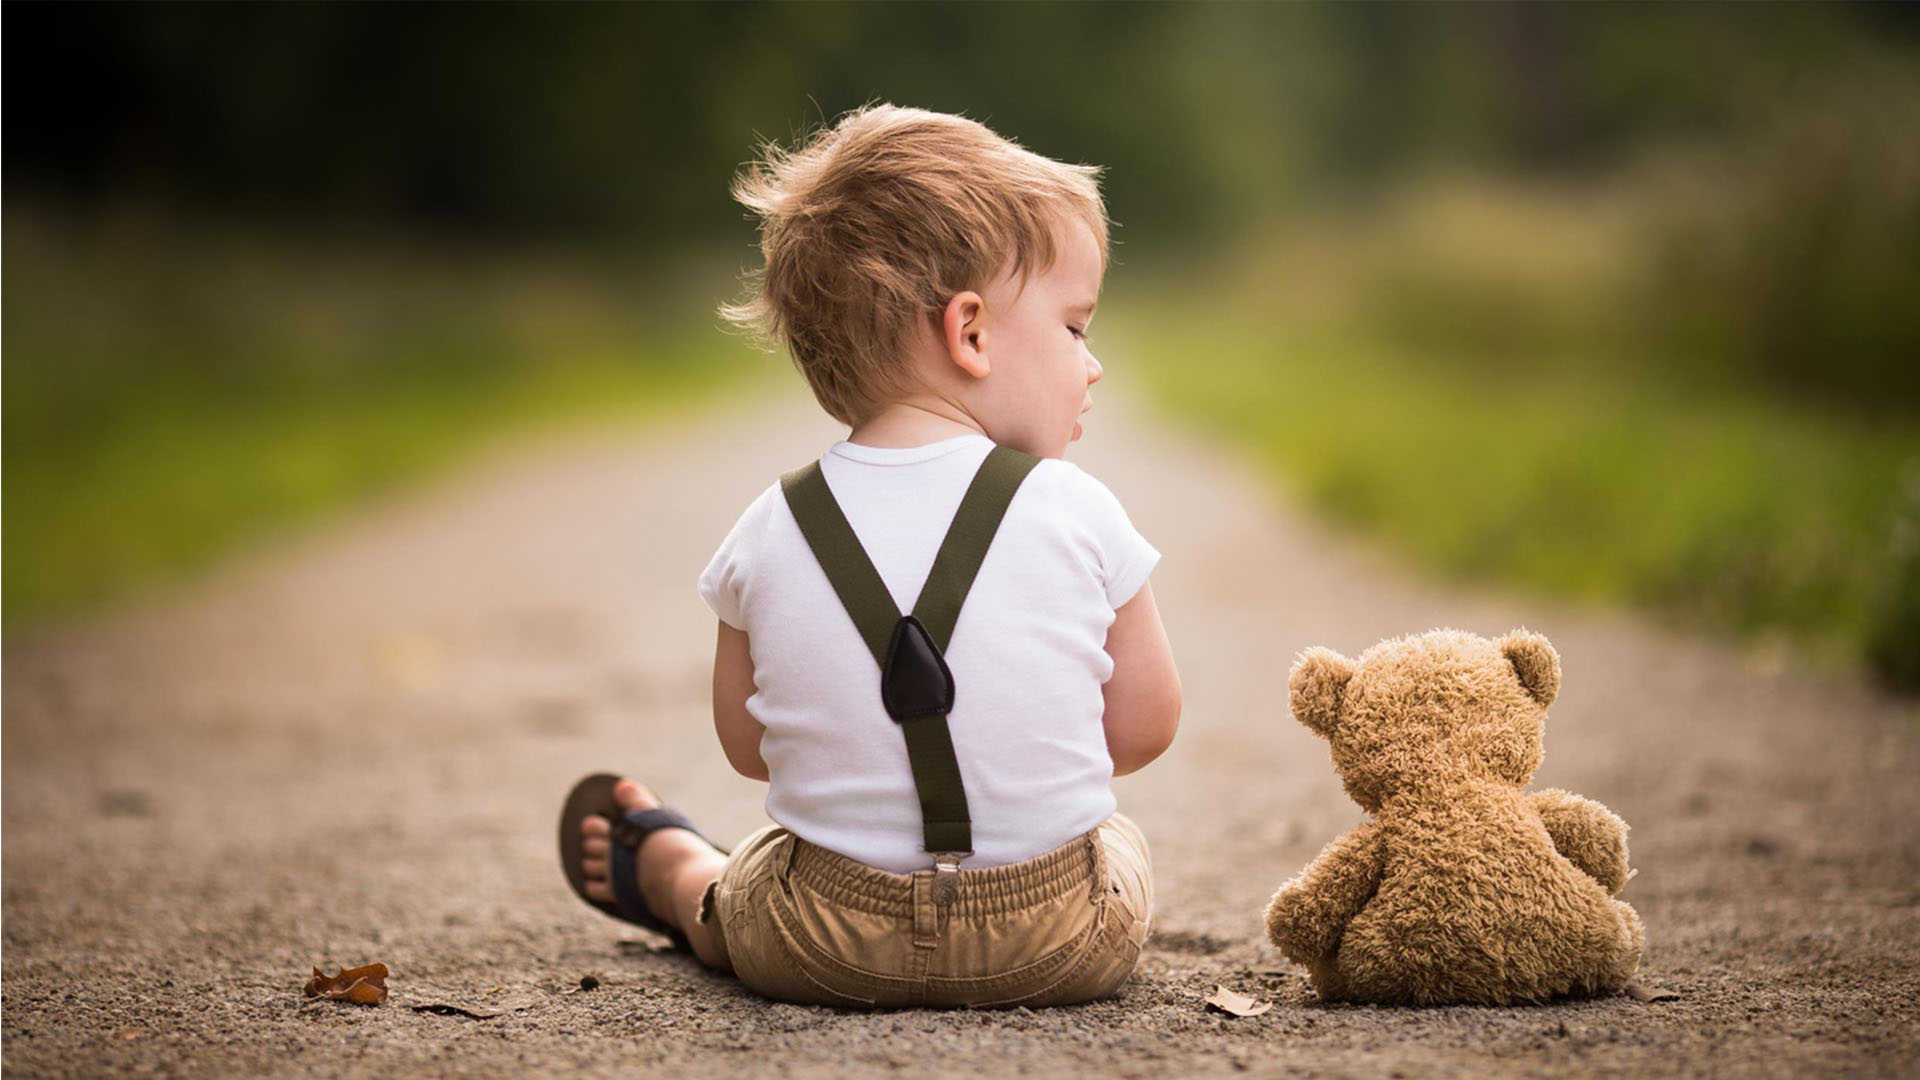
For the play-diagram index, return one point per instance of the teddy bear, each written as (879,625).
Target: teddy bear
(1464,887)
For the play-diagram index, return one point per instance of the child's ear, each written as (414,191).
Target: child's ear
(1316,686)
(1535,661)
(964,333)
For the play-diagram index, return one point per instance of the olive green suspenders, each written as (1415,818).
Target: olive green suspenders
(916,686)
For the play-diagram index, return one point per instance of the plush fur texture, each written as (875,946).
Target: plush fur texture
(1464,887)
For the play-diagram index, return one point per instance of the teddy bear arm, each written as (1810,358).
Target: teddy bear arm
(1591,836)
(1308,915)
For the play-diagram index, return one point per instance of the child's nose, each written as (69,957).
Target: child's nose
(1093,370)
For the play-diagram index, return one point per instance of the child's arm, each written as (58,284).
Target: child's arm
(1143,696)
(732,685)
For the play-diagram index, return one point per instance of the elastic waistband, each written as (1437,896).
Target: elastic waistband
(994,890)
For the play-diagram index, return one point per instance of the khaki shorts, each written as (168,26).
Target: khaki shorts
(801,923)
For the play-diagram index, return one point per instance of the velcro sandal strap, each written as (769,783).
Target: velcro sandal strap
(632,826)
(630,830)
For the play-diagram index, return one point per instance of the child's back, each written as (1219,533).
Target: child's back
(1027,654)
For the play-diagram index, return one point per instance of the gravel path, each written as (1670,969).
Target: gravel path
(351,750)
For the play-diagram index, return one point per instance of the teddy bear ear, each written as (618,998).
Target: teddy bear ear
(1316,686)
(1535,661)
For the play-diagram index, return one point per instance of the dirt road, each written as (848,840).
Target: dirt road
(351,750)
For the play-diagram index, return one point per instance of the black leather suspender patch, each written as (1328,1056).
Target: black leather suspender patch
(914,679)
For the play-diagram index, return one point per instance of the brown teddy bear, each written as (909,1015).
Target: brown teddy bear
(1464,887)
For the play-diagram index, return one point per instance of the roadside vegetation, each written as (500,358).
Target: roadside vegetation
(1640,391)
(1614,302)
(174,395)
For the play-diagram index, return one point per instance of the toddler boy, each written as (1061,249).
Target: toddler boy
(941,781)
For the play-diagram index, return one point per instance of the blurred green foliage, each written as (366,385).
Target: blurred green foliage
(1618,301)
(173,396)
(1461,373)
(623,121)
(1793,256)
(1749,515)
(1893,620)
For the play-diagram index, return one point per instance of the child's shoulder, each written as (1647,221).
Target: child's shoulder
(1071,489)
(1062,471)
(1084,507)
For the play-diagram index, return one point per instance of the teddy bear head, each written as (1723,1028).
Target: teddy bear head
(1429,710)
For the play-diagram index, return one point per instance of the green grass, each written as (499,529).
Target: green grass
(1527,384)
(172,400)
(1740,511)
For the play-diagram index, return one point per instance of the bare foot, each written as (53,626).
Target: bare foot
(674,867)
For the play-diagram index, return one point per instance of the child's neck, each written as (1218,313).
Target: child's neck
(914,423)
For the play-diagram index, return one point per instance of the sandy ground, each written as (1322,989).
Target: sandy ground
(352,750)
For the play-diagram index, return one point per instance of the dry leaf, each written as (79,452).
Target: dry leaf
(1237,1004)
(362,985)
(1640,992)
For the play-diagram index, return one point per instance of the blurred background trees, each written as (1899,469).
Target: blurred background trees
(261,260)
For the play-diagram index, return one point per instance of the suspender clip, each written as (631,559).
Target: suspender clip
(946,876)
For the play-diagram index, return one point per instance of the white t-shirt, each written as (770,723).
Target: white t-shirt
(1028,653)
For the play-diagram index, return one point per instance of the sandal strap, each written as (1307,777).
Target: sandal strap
(633,826)
(630,830)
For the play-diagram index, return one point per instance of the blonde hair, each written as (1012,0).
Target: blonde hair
(878,221)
